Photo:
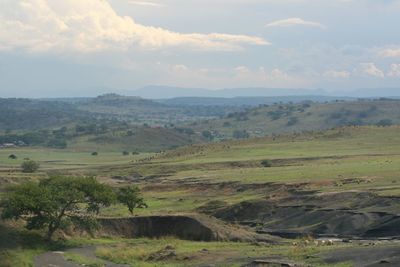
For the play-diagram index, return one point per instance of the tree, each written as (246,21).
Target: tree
(57,143)
(130,196)
(240,134)
(29,166)
(12,156)
(57,202)
(208,135)
(385,123)
(292,121)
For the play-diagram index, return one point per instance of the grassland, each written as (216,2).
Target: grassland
(356,158)
(187,179)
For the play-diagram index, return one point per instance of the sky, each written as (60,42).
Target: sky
(53,48)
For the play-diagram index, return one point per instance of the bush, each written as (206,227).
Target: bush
(292,121)
(208,135)
(95,153)
(12,156)
(125,153)
(240,134)
(29,166)
(57,143)
(266,163)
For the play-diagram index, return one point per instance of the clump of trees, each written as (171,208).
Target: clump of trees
(207,135)
(60,201)
(384,123)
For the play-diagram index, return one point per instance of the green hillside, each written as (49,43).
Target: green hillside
(306,116)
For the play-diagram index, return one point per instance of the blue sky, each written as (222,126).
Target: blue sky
(76,48)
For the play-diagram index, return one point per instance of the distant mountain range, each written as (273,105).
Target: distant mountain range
(166,92)
(246,101)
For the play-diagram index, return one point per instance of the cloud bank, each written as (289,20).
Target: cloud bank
(93,25)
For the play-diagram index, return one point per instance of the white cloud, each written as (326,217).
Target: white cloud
(93,25)
(372,70)
(145,3)
(390,52)
(290,22)
(394,70)
(337,74)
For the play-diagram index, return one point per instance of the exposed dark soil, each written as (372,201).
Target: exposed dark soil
(188,227)
(348,214)
(384,256)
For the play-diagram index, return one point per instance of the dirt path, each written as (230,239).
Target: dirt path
(56,258)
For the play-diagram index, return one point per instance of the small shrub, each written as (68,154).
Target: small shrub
(207,135)
(12,156)
(29,166)
(266,163)
(240,134)
(125,153)
(95,153)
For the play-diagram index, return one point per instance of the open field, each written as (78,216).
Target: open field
(52,159)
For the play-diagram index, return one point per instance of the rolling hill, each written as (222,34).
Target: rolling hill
(306,116)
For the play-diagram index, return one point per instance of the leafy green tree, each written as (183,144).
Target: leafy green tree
(29,166)
(57,202)
(208,135)
(130,196)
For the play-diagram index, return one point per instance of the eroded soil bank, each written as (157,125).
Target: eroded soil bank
(187,227)
(346,214)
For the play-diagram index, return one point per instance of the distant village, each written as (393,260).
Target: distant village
(13,145)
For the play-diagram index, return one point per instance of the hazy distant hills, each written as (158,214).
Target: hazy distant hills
(246,101)
(166,92)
